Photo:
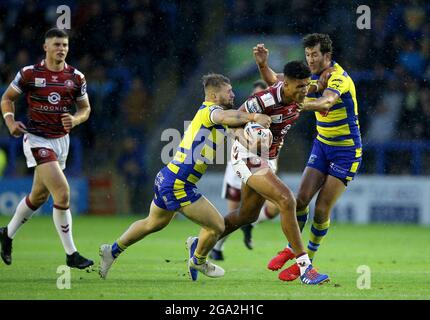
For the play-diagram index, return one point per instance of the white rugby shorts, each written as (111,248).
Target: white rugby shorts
(246,163)
(40,148)
(231,180)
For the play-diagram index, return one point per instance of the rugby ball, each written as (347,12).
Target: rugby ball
(256,132)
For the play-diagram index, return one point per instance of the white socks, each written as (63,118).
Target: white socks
(23,213)
(303,262)
(62,220)
(63,224)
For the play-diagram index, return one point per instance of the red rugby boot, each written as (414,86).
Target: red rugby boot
(290,274)
(283,256)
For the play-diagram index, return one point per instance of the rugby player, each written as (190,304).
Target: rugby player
(336,154)
(52,88)
(175,185)
(259,181)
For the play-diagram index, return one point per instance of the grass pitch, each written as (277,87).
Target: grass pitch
(155,268)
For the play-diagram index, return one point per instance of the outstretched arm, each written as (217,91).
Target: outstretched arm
(261,56)
(236,118)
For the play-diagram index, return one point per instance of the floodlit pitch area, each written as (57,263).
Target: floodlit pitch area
(155,268)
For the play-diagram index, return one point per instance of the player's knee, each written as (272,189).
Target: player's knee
(287,204)
(38,199)
(220,227)
(217,228)
(62,196)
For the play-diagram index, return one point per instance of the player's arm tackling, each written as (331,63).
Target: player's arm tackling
(236,118)
(322,104)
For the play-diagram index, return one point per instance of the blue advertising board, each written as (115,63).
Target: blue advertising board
(12,190)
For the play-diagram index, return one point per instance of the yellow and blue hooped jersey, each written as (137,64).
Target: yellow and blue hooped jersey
(198,146)
(340,126)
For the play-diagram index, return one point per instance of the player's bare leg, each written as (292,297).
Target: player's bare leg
(267,184)
(212,223)
(250,206)
(39,193)
(330,189)
(55,181)
(330,192)
(157,219)
(198,247)
(217,251)
(311,182)
(272,188)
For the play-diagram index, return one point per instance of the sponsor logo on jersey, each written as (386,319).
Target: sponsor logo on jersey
(253,106)
(277,118)
(268,100)
(40,82)
(285,129)
(54,98)
(69,84)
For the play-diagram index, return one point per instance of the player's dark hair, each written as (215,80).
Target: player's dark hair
(260,84)
(311,40)
(55,33)
(296,70)
(214,80)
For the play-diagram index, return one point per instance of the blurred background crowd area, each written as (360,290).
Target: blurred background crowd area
(143,61)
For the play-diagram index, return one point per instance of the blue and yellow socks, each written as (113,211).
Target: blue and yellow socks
(318,232)
(198,259)
(117,248)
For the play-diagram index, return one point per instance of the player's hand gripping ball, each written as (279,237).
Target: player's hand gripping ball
(258,137)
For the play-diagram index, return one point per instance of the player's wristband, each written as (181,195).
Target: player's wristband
(9,114)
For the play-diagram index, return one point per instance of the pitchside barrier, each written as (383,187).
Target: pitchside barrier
(368,199)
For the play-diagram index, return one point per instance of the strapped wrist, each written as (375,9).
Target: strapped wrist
(9,114)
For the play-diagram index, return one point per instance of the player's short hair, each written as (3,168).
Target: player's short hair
(55,33)
(311,40)
(214,80)
(260,84)
(296,70)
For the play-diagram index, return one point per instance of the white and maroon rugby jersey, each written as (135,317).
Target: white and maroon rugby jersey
(283,115)
(49,94)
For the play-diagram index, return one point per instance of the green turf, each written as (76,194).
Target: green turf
(155,268)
